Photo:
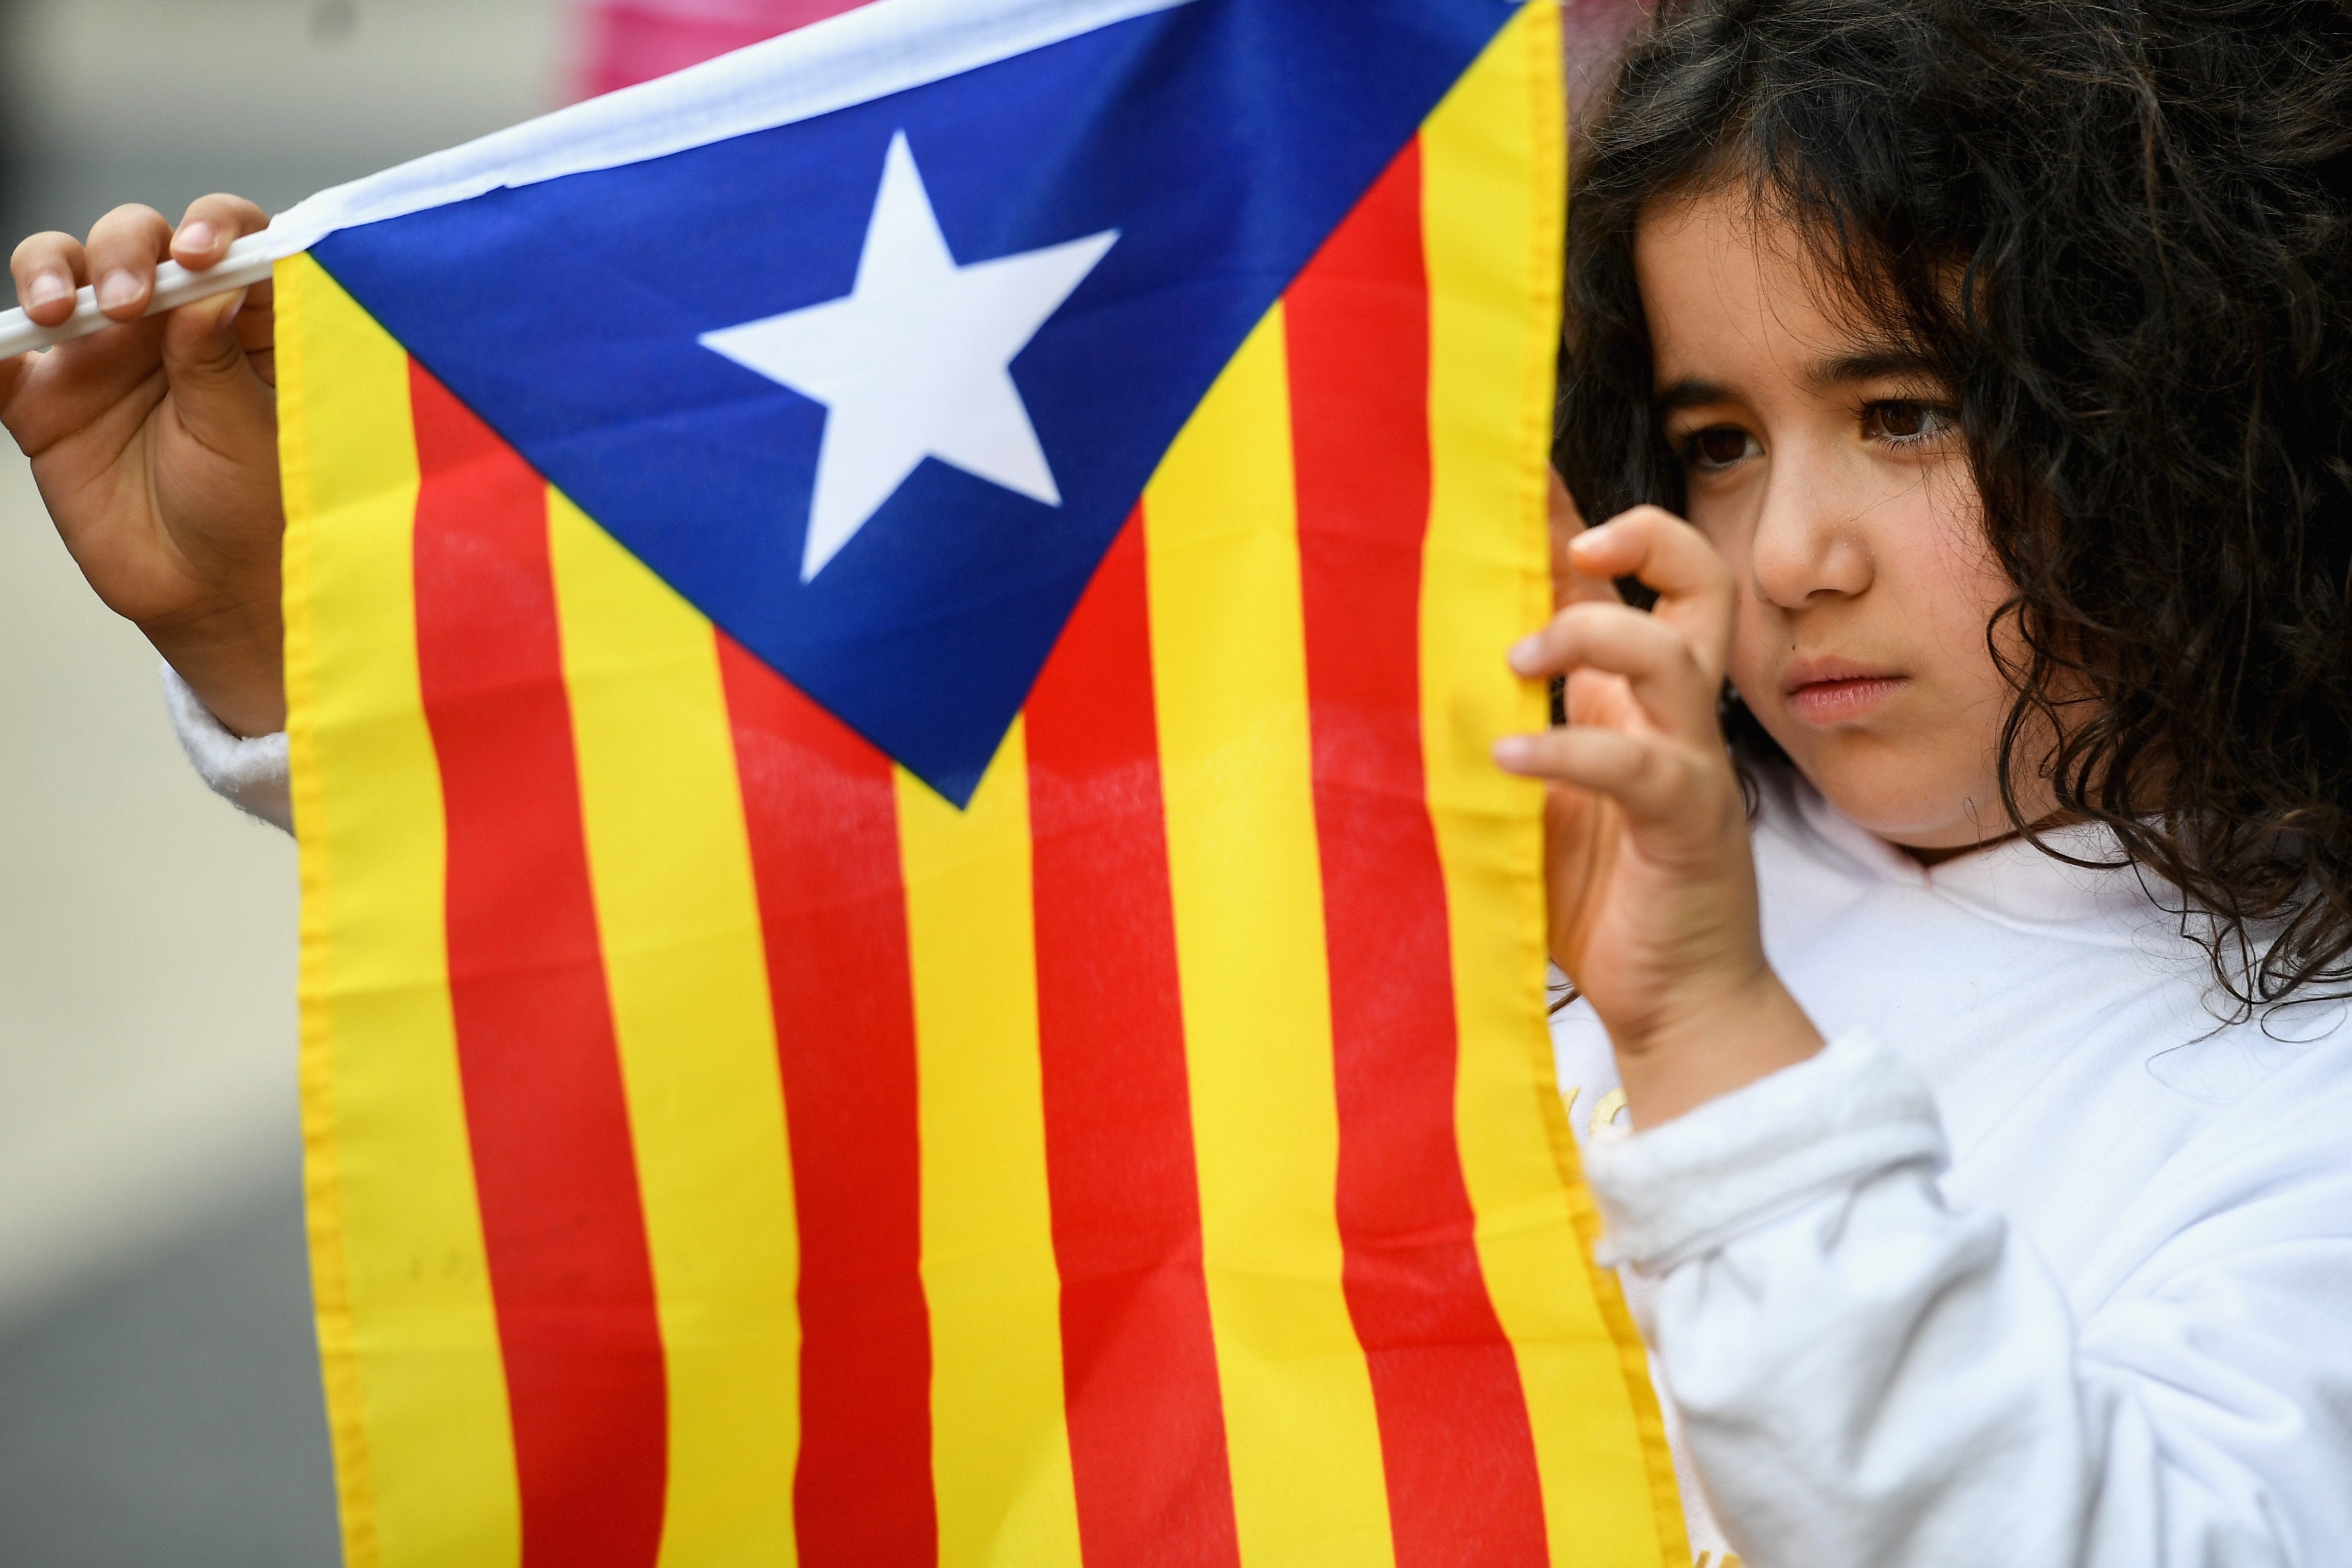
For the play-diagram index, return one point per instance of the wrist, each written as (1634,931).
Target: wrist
(1677,1062)
(234,660)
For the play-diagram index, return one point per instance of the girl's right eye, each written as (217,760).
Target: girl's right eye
(1718,447)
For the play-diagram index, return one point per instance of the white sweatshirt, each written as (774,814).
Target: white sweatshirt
(2112,1325)
(251,775)
(2036,1266)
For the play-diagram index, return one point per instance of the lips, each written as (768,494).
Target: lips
(1837,691)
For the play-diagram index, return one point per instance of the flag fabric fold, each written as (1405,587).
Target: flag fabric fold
(1017,1037)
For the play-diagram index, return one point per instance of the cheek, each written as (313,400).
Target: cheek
(1956,586)
(1756,633)
(1726,514)
(1760,640)
(1947,587)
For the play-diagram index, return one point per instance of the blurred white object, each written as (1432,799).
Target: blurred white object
(248,773)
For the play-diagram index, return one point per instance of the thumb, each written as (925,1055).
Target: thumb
(217,394)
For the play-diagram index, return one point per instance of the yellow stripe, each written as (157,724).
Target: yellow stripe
(1000,1443)
(684,960)
(1229,662)
(416,1392)
(1492,156)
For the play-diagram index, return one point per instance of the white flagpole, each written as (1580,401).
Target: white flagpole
(247,263)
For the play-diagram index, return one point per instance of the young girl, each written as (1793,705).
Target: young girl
(1998,353)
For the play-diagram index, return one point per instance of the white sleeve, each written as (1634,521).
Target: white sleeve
(249,774)
(1867,1376)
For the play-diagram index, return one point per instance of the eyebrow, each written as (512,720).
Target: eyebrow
(1862,365)
(1872,364)
(1690,392)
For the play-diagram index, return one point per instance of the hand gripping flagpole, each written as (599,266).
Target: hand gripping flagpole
(247,263)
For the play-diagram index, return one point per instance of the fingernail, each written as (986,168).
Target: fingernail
(196,238)
(117,288)
(46,288)
(1524,651)
(1513,751)
(1592,536)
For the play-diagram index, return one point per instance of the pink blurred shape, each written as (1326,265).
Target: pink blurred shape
(628,41)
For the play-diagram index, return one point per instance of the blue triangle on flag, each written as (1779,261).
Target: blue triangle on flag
(1220,142)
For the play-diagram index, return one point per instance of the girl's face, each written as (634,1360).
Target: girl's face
(1826,464)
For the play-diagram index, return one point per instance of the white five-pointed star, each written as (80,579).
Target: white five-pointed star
(915,362)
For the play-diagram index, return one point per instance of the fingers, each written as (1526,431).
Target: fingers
(1659,666)
(127,243)
(1655,779)
(47,396)
(215,352)
(255,328)
(124,248)
(213,224)
(1665,553)
(208,343)
(123,251)
(48,268)
(219,388)
(1643,688)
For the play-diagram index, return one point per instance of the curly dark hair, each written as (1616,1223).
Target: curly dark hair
(2122,232)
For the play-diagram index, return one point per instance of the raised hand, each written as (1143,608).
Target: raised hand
(1651,879)
(156,447)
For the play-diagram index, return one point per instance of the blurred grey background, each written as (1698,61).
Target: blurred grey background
(159,1400)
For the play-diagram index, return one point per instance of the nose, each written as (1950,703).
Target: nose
(1808,541)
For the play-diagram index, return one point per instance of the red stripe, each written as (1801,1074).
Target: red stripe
(1461,1480)
(823,821)
(1139,1367)
(544,1102)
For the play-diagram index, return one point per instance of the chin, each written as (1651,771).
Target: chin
(1904,801)
(1914,827)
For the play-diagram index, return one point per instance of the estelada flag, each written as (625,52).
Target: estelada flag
(911,952)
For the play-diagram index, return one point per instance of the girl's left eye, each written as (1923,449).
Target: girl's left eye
(1901,421)
(1718,447)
